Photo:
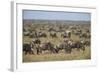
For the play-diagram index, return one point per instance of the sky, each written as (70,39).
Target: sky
(53,15)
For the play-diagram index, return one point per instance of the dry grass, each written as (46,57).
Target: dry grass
(75,55)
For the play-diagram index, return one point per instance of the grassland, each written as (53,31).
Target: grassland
(75,55)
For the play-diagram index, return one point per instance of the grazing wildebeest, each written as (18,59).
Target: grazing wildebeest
(66,34)
(51,29)
(48,46)
(77,32)
(85,35)
(87,31)
(26,33)
(79,45)
(64,46)
(38,48)
(27,49)
(36,41)
(87,43)
(53,34)
(73,27)
(80,31)
(37,34)
(33,35)
(42,34)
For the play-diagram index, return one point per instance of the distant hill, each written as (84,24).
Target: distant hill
(31,21)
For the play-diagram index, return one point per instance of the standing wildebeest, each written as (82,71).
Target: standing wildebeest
(47,46)
(85,35)
(53,34)
(66,34)
(78,32)
(26,33)
(36,41)
(36,34)
(33,35)
(64,46)
(27,49)
(42,34)
(87,31)
(87,43)
(51,29)
(79,45)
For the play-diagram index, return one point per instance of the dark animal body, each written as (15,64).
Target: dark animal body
(66,34)
(64,46)
(36,41)
(53,35)
(78,45)
(48,46)
(27,49)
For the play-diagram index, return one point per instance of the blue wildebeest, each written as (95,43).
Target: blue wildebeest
(27,48)
(48,46)
(79,45)
(66,34)
(64,46)
(53,34)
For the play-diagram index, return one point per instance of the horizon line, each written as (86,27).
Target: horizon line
(57,20)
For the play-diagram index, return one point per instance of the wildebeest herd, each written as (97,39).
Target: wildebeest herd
(42,38)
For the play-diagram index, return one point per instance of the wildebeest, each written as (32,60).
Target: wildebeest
(64,46)
(66,34)
(48,46)
(85,35)
(26,33)
(87,31)
(41,34)
(53,34)
(78,32)
(51,29)
(36,41)
(79,45)
(37,34)
(27,49)
(33,35)
(87,43)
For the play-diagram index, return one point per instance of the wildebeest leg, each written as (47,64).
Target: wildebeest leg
(25,52)
(56,50)
(32,52)
(51,51)
(40,50)
(65,50)
(69,50)
(78,49)
(37,50)
(83,48)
